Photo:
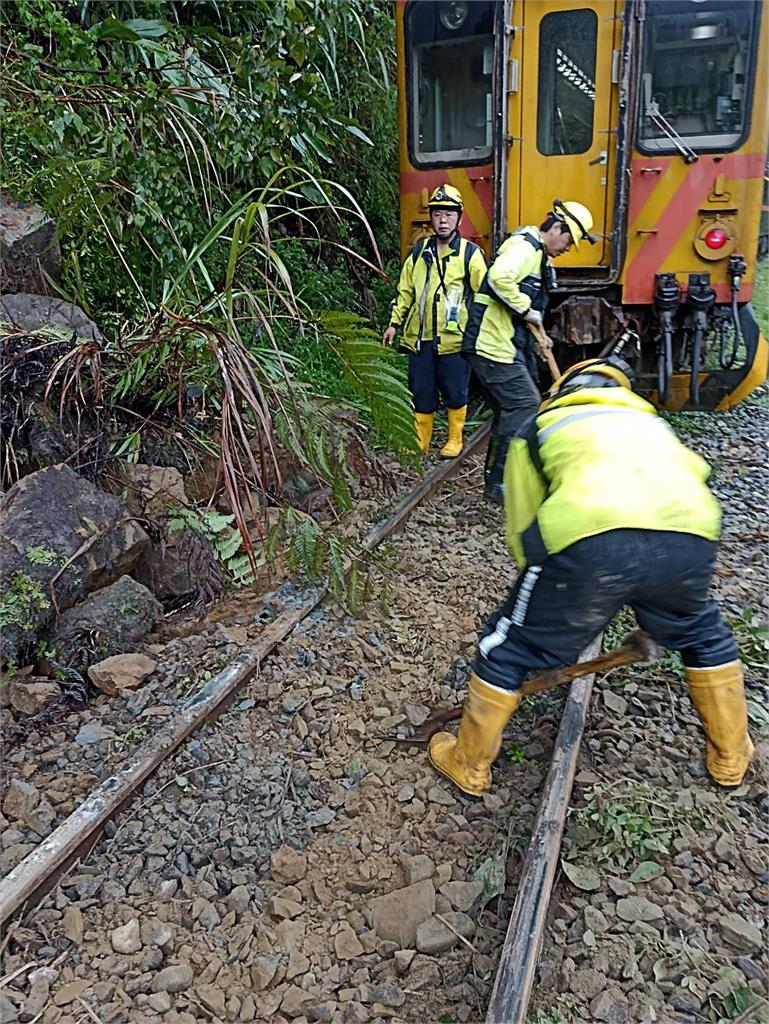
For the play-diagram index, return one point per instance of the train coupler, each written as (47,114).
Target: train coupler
(700,297)
(667,299)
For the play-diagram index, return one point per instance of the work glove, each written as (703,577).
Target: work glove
(533,316)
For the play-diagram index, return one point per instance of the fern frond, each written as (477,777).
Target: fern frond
(375,374)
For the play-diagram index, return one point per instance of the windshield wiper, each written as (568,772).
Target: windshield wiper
(652,112)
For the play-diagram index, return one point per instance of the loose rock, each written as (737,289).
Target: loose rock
(740,933)
(638,908)
(121,672)
(126,939)
(435,936)
(347,945)
(462,895)
(611,1006)
(288,865)
(177,978)
(397,915)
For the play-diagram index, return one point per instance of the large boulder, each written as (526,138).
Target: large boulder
(153,491)
(28,251)
(32,388)
(165,570)
(110,621)
(47,519)
(29,312)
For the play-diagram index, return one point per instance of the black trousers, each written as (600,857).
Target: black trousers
(509,391)
(555,609)
(431,374)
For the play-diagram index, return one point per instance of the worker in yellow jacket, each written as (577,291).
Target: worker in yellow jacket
(438,279)
(604,508)
(497,342)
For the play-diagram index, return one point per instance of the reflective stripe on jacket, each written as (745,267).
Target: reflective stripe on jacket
(464,264)
(601,459)
(516,282)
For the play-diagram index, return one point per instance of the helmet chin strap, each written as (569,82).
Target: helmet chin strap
(448,238)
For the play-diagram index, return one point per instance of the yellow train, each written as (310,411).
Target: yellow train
(654,114)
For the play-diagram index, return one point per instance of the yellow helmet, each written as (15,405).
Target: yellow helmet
(577,218)
(446,197)
(591,373)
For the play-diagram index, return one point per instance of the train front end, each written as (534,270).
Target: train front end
(695,190)
(653,114)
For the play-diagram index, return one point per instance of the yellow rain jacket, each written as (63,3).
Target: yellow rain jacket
(601,459)
(518,280)
(420,306)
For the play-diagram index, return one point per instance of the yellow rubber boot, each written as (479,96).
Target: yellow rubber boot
(467,758)
(718,695)
(453,446)
(423,423)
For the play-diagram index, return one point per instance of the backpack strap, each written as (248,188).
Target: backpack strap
(470,248)
(529,431)
(418,249)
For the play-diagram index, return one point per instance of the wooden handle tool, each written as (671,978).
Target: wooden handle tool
(637,647)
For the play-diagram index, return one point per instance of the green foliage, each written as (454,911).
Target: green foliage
(134,131)
(514,752)
(374,373)
(738,1001)
(226,544)
(19,601)
(551,1016)
(760,301)
(624,822)
(42,556)
(752,638)
(202,249)
(347,570)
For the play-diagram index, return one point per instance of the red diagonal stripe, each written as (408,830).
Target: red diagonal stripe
(682,207)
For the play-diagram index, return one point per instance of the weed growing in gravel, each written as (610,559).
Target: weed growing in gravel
(710,976)
(551,1016)
(752,638)
(567,1011)
(626,822)
(129,738)
(691,424)
(514,752)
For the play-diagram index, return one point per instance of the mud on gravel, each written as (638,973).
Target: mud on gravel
(288,863)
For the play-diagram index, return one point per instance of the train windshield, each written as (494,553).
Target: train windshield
(451,56)
(696,74)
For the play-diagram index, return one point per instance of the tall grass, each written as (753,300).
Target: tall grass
(761,295)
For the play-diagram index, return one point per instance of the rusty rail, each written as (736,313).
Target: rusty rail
(517,965)
(78,833)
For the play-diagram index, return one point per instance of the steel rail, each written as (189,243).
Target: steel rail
(517,965)
(30,880)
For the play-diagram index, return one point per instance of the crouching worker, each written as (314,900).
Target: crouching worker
(436,286)
(604,508)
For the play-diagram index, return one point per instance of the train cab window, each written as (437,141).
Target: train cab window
(451,55)
(566,100)
(696,74)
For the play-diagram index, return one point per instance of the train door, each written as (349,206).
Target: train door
(565,105)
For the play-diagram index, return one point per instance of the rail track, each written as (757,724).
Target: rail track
(71,843)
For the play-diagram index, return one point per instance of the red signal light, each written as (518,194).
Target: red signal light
(716,238)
